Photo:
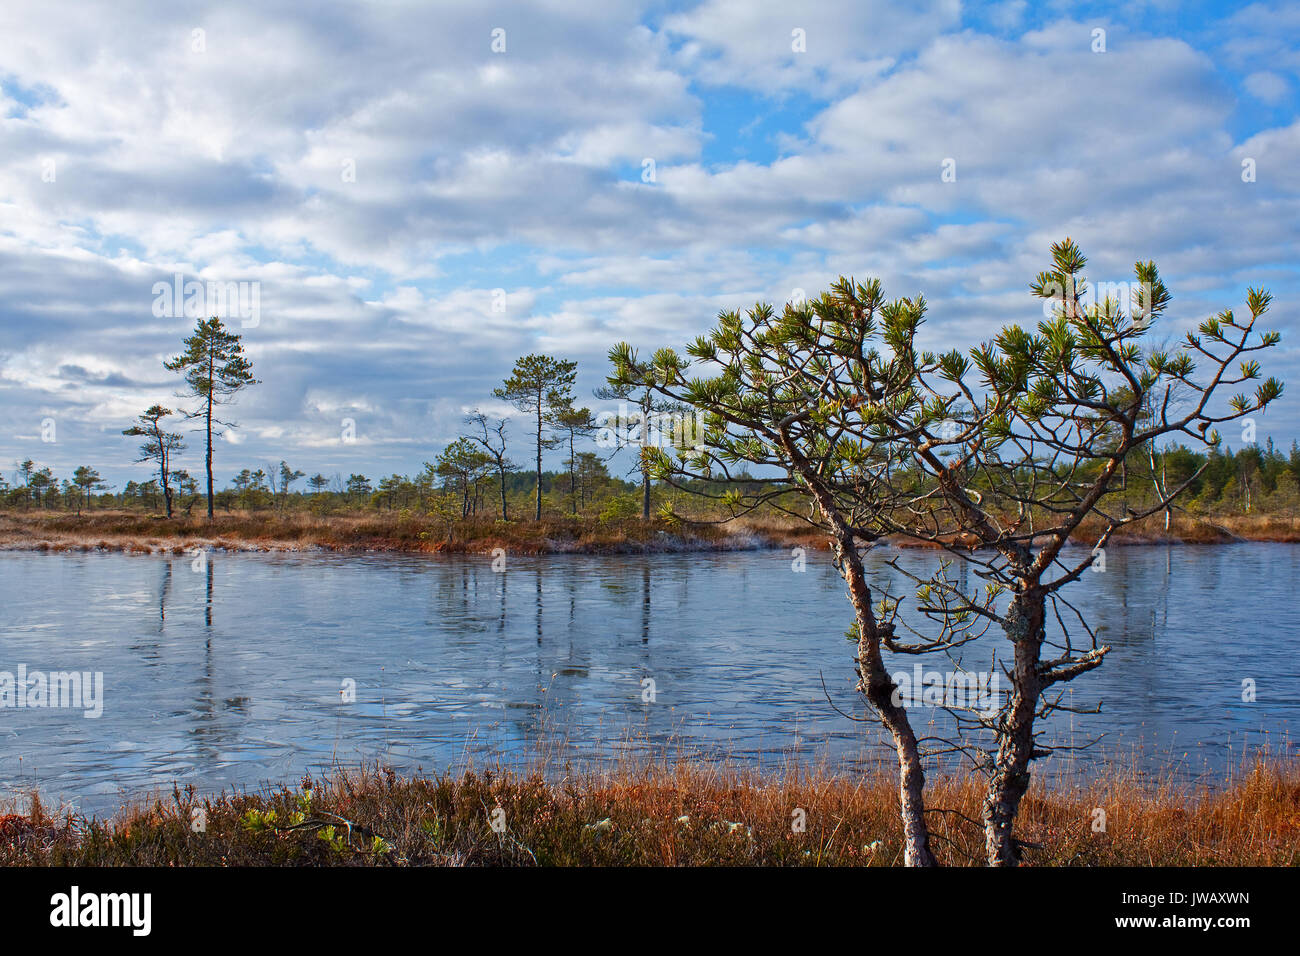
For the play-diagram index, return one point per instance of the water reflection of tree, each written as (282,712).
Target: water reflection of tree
(206,731)
(164,591)
(501,619)
(645,603)
(214,729)
(151,647)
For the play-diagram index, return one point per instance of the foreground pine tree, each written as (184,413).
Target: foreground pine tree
(997,456)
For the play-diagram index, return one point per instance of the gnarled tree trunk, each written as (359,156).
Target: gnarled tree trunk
(878,687)
(876,684)
(1025,628)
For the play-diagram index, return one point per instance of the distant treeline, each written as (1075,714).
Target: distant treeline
(266,489)
(1258,479)
(475,475)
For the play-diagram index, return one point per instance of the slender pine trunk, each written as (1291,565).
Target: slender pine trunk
(645,462)
(538,515)
(167,488)
(1164,483)
(645,487)
(211,386)
(573,476)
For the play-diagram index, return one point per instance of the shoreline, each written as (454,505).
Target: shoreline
(116,532)
(656,814)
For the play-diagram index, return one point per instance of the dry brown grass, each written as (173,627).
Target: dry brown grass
(1201,529)
(1183,529)
(659,815)
(267,531)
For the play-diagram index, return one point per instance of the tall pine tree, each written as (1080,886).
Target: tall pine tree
(540,386)
(215,370)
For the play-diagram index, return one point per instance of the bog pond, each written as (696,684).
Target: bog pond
(247,669)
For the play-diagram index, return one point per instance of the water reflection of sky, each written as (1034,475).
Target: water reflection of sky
(231,675)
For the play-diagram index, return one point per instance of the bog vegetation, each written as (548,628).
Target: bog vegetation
(829,412)
(657,815)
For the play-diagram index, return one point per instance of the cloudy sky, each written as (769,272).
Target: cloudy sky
(420,192)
